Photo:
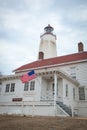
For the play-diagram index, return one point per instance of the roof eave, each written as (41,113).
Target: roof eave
(49,66)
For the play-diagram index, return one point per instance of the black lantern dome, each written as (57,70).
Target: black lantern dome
(48,29)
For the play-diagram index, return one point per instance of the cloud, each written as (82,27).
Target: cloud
(12,20)
(22,22)
(14,55)
(78,14)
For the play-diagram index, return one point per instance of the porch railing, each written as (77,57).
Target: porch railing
(50,96)
(47,96)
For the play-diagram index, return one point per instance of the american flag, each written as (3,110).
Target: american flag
(28,77)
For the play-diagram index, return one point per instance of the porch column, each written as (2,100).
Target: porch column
(55,90)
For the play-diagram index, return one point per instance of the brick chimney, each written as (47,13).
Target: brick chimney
(41,55)
(80,47)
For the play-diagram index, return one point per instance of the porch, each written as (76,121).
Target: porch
(51,86)
(53,90)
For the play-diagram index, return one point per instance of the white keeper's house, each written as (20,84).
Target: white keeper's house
(60,88)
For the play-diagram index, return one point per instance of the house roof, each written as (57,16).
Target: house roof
(54,61)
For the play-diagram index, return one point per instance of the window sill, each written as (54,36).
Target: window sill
(10,93)
(29,93)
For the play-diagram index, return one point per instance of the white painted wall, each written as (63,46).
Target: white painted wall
(42,86)
(19,91)
(81,72)
(7,97)
(48,46)
(60,89)
(69,101)
(82,108)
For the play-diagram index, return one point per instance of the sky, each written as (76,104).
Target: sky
(23,21)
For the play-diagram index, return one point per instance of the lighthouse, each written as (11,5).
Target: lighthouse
(47,48)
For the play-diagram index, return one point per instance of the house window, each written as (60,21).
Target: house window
(81,93)
(26,85)
(7,88)
(53,89)
(66,90)
(29,86)
(32,85)
(73,72)
(12,89)
(73,93)
(0,83)
(0,90)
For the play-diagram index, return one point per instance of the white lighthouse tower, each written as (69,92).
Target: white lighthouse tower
(47,48)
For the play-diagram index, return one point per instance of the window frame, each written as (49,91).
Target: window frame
(0,89)
(12,87)
(74,93)
(7,88)
(67,91)
(26,86)
(29,86)
(82,93)
(32,86)
(73,72)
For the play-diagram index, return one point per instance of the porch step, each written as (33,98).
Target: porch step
(64,107)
